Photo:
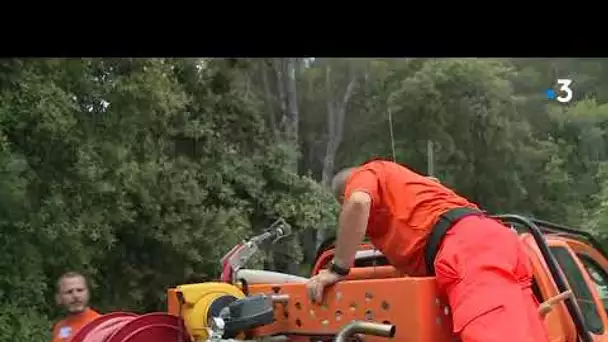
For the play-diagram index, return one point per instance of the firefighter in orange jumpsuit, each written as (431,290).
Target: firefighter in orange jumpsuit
(73,295)
(424,228)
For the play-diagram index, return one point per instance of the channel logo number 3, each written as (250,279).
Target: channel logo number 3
(565,92)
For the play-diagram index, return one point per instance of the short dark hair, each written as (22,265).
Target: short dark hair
(339,180)
(69,274)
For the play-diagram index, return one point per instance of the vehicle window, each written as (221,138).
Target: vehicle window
(579,287)
(598,276)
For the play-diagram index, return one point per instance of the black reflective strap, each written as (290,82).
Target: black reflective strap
(333,267)
(445,222)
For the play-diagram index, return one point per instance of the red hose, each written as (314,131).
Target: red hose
(128,327)
(102,331)
(85,330)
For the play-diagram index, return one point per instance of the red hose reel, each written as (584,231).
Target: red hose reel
(129,327)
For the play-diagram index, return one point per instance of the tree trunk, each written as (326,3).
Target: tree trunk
(280,76)
(336,112)
(335,124)
(269,99)
(285,70)
(292,101)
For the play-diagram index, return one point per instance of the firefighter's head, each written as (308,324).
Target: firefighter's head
(72,292)
(339,181)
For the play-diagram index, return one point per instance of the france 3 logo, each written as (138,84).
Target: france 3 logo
(564,93)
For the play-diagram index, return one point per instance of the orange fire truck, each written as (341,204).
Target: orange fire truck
(375,303)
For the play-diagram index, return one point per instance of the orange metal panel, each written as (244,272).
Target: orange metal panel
(379,272)
(412,304)
(173,306)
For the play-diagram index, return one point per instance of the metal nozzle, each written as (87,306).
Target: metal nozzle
(216,329)
(366,328)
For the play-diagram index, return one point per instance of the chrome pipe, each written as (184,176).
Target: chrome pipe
(280,298)
(366,328)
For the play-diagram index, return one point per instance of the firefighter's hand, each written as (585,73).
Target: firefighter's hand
(317,284)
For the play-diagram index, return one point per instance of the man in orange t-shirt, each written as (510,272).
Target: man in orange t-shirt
(73,296)
(424,228)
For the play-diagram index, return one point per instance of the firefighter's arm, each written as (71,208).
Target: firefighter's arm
(352,227)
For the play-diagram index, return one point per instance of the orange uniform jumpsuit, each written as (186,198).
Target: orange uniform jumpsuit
(481,265)
(66,328)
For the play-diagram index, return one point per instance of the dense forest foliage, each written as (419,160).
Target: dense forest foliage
(143,172)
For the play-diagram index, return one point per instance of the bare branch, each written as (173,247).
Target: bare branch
(342,110)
